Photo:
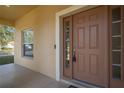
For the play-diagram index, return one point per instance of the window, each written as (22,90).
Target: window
(116,42)
(28,43)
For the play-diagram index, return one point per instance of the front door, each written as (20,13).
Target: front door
(90,46)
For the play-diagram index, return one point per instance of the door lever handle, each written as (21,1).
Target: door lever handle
(74,56)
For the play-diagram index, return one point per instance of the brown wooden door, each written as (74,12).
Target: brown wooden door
(90,46)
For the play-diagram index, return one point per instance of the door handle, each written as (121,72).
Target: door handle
(74,56)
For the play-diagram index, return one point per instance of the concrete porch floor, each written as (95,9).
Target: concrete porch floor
(15,76)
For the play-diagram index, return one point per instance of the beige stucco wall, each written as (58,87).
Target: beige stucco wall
(42,21)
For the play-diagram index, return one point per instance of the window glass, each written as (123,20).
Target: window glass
(28,36)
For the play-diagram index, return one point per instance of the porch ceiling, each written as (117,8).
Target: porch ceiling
(14,11)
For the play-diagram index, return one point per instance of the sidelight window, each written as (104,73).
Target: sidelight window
(116,42)
(67,42)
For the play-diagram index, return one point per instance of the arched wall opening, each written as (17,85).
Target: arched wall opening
(7,35)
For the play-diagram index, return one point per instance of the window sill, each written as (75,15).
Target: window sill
(26,57)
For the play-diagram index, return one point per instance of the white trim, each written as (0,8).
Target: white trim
(58,15)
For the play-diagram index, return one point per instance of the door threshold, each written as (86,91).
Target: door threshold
(79,84)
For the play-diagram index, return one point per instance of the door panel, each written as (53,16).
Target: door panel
(93,36)
(90,43)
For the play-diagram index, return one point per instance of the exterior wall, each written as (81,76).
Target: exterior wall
(42,21)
